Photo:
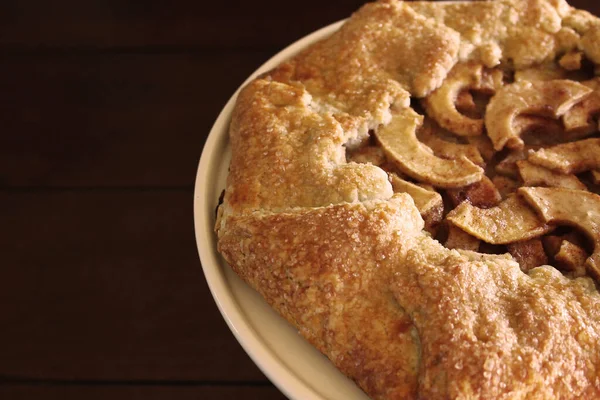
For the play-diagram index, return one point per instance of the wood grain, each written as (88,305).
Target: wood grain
(105,106)
(122,118)
(130,23)
(112,119)
(155,392)
(31,24)
(106,285)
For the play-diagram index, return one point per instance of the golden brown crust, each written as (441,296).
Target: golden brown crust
(489,331)
(345,260)
(285,154)
(329,286)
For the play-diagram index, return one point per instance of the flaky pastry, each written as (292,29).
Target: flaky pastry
(329,185)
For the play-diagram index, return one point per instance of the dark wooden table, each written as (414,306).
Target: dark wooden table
(105,107)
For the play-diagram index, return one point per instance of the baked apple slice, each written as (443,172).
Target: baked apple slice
(572,258)
(510,221)
(461,240)
(544,72)
(433,136)
(536,175)
(528,253)
(576,208)
(441,104)
(572,60)
(505,185)
(569,158)
(429,202)
(399,141)
(546,98)
(580,116)
(483,194)
(508,165)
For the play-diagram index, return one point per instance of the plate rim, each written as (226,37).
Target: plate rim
(261,354)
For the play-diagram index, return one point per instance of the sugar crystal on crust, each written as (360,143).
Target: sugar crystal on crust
(327,242)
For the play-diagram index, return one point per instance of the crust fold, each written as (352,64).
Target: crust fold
(335,252)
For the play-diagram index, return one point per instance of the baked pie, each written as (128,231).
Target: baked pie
(418,195)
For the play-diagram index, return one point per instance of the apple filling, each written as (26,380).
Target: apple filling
(502,161)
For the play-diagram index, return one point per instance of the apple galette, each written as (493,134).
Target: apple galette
(418,195)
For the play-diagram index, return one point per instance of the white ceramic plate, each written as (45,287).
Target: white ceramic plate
(294,366)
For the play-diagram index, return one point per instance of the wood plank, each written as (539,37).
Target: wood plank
(107,285)
(112,119)
(125,23)
(24,392)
